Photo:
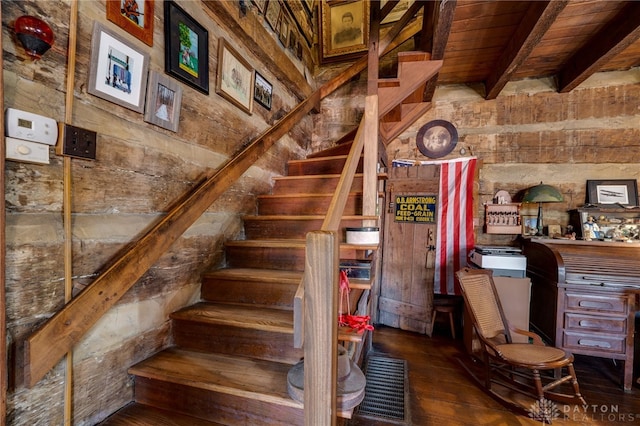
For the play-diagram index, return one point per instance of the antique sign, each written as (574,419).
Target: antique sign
(415,208)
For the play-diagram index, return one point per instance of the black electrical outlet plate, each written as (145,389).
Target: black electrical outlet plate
(77,142)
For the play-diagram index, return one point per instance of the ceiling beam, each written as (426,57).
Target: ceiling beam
(536,22)
(441,21)
(613,38)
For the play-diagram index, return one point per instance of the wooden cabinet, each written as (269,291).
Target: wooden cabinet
(584,296)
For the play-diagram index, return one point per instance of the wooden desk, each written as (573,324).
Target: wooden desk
(584,296)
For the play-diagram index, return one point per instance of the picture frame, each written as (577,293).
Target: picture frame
(260,5)
(623,192)
(437,138)
(284,30)
(164,99)
(397,11)
(308,5)
(529,225)
(134,16)
(186,48)
(344,29)
(273,14)
(235,77)
(262,91)
(118,70)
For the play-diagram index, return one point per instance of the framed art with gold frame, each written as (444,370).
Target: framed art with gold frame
(344,29)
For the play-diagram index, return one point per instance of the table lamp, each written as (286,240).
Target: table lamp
(541,194)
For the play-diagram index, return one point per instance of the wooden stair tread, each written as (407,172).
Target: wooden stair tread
(257,274)
(339,157)
(305,217)
(292,243)
(237,315)
(326,176)
(243,377)
(144,415)
(305,195)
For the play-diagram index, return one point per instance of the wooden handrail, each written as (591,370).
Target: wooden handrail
(57,336)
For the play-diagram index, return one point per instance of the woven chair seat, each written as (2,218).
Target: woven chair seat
(525,353)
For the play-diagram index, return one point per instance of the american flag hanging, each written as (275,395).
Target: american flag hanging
(455,222)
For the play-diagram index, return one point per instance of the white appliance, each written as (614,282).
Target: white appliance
(503,261)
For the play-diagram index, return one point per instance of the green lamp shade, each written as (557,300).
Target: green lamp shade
(542,194)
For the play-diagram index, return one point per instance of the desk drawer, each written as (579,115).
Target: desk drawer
(596,303)
(594,342)
(582,322)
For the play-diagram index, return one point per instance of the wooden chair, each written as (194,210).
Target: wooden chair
(515,366)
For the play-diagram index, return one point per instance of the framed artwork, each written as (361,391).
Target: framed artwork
(260,4)
(623,192)
(284,30)
(437,138)
(344,29)
(134,16)
(262,91)
(397,11)
(186,48)
(164,99)
(308,5)
(272,14)
(529,225)
(118,70)
(235,77)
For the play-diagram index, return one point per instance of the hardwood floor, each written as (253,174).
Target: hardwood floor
(442,393)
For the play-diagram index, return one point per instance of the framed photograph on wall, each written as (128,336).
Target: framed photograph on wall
(613,191)
(235,77)
(272,14)
(134,16)
(164,99)
(118,70)
(344,29)
(186,48)
(262,91)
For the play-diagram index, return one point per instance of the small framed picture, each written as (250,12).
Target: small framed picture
(272,14)
(186,48)
(260,4)
(623,192)
(529,225)
(134,16)
(437,138)
(262,91)
(164,99)
(118,71)
(235,77)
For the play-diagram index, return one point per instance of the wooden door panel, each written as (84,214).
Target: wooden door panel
(406,291)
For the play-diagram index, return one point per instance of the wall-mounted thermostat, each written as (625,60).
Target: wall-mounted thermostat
(29,152)
(31,127)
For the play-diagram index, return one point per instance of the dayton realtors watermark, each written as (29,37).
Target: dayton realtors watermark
(546,411)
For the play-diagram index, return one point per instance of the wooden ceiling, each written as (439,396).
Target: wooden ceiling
(494,42)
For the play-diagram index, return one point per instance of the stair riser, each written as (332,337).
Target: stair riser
(215,406)
(264,229)
(318,166)
(233,291)
(275,258)
(229,340)
(317,185)
(306,205)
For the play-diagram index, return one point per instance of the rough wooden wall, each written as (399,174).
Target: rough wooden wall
(141,170)
(529,134)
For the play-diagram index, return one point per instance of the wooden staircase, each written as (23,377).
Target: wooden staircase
(232,351)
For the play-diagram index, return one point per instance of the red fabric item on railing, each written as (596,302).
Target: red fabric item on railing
(359,323)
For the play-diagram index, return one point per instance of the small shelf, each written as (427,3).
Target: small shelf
(502,218)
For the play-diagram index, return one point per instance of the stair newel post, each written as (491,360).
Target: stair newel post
(321,328)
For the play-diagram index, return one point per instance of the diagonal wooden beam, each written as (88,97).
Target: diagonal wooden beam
(536,22)
(617,35)
(442,20)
